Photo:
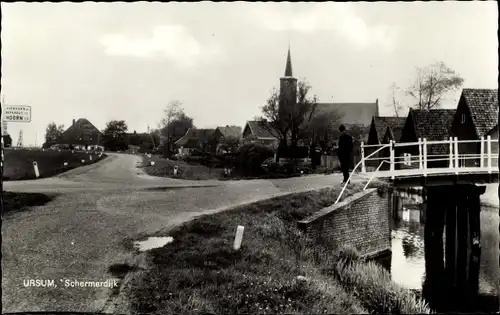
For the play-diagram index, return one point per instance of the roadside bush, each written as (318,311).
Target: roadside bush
(249,158)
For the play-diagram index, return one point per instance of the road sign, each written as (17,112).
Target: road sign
(17,113)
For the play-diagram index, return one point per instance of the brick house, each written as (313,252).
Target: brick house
(81,133)
(432,125)
(194,139)
(476,117)
(378,128)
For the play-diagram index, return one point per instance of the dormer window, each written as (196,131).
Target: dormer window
(463,119)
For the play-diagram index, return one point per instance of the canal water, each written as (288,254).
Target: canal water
(408,260)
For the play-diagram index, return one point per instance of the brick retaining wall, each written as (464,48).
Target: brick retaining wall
(360,221)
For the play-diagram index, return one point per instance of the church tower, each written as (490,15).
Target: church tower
(288,85)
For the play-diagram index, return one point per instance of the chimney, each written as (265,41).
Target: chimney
(73,121)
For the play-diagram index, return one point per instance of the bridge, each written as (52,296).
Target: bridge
(451,197)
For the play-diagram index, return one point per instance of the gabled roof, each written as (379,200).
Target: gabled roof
(260,129)
(483,106)
(383,122)
(351,113)
(230,131)
(433,125)
(193,137)
(81,126)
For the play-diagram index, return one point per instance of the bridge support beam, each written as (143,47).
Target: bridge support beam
(452,243)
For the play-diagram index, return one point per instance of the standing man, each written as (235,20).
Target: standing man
(345,145)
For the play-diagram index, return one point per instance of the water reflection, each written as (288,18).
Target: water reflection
(408,263)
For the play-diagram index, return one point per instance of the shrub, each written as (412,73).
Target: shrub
(249,158)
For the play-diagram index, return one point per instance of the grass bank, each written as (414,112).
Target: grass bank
(19,162)
(16,202)
(200,272)
(165,168)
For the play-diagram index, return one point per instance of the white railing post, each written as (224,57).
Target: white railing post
(451,152)
(456,153)
(391,148)
(363,167)
(481,153)
(420,166)
(488,143)
(425,157)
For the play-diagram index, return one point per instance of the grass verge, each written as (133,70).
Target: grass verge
(200,272)
(16,202)
(19,162)
(165,168)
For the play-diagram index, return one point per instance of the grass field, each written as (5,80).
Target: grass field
(199,272)
(165,168)
(19,162)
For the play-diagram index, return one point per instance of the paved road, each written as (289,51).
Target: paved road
(98,209)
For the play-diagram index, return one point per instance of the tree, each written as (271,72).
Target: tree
(53,132)
(7,141)
(322,128)
(174,124)
(432,84)
(230,144)
(288,123)
(115,135)
(395,105)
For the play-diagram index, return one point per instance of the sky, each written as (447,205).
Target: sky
(127,61)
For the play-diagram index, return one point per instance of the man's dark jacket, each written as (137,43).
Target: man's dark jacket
(345,150)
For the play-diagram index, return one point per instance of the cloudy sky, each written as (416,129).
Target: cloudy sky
(106,61)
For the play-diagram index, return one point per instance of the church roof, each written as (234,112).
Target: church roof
(288,67)
(351,113)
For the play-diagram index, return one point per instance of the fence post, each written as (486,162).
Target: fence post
(420,166)
(451,152)
(456,153)
(391,155)
(481,154)
(489,153)
(363,167)
(425,156)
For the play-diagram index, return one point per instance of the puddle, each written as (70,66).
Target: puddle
(153,242)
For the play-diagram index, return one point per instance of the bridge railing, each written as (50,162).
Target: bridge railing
(485,156)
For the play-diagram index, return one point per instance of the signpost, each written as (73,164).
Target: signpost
(12,113)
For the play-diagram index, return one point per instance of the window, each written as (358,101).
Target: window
(463,119)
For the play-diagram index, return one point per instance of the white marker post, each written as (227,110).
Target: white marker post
(35,166)
(65,163)
(83,161)
(176,169)
(90,157)
(239,237)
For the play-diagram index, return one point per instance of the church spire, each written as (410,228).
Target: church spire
(288,69)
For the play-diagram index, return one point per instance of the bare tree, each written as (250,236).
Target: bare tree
(173,111)
(396,106)
(432,84)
